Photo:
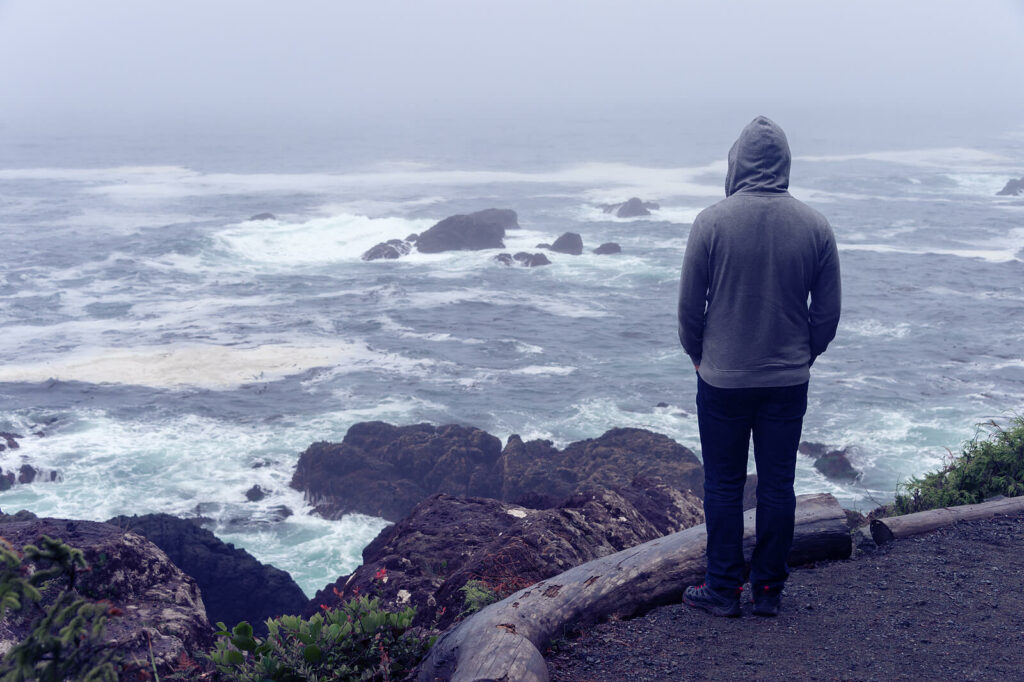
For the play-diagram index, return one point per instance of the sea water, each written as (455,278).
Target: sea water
(175,353)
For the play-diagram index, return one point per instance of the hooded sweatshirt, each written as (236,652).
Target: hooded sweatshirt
(759,295)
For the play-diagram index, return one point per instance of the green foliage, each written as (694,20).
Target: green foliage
(357,641)
(65,641)
(476,595)
(991,464)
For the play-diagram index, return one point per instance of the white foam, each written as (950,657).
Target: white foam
(876,328)
(203,366)
(319,241)
(990,255)
(541,370)
(940,157)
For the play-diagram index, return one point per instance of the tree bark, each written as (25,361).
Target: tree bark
(895,527)
(503,641)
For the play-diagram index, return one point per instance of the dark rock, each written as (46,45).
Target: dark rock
(631,208)
(10,439)
(235,585)
(263,216)
(833,464)
(1012,188)
(612,460)
(412,238)
(255,494)
(570,243)
(608,248)
(385,470)
(531,260)
(662,405)
(27,474)
(20,515)
(447,541)
(481,230)
(162,614)
(391,249)
(836,466)
(544,245)
(505,259)
(7,479)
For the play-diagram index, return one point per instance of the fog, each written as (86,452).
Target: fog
(196,62)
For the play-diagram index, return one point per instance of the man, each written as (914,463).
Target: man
(752,260)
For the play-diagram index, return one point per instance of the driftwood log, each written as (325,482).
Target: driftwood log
(503,640)
(888,529)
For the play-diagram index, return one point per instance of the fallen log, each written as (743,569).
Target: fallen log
(503,640)
(895,527)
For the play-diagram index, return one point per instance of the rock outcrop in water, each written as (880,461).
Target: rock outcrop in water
(427,558)
(385,470)
(391,249)
(1012,188)
(481,230)
(833,464)
(159,609)
(527,260)
(262,216)
(608,248)
(632,208)
(570,243)
(235,586)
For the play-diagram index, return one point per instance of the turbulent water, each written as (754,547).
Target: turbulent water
(175,353)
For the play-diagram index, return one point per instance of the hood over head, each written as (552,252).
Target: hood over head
(759,159)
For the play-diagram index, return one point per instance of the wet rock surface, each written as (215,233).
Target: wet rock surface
(608,248)
(158,603)
(235,586)
(940,606)
(631,208)
(480,230)
(833,464)
(385,470)
(428,557)
(528,260)
(570,243)
(1012,188)
(389,250)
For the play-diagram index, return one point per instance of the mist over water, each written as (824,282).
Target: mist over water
(176,353)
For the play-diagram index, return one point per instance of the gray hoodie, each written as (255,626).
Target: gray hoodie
(752,261)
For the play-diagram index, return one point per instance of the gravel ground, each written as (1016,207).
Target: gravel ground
(941,606)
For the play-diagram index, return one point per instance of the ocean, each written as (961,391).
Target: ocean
(175,353)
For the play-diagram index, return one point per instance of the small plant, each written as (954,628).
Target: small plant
(65,641)
(990,464)
(476,595)
(356,641)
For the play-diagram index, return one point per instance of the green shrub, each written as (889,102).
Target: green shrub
(357,641)
(991,464)
(65,640)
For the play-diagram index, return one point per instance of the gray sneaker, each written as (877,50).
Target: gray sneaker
(715,603)
(766,600)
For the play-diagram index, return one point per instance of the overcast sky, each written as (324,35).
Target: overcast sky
(319,58)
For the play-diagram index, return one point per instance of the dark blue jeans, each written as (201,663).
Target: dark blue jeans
(727,417)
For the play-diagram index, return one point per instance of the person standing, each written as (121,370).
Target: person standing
(759,300)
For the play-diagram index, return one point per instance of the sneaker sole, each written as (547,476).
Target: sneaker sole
(723,611)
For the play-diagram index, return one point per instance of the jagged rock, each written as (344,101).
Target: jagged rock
(1012,188)
(161,611)
(570,243)
(631,208)
(255,494)
(833,464)
(391,249)
(11,439)
(529,260)
(412,237)
(608,248)
(385,470)
(447,541)
(235,586)
(263,216)
(613,459)
(7,479)
(481,230)
(28,473)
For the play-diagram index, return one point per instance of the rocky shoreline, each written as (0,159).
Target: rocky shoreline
(469,513)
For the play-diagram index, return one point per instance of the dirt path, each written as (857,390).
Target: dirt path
(944,606)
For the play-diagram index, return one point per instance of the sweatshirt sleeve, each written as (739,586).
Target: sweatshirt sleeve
(826,299)
(693,294)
